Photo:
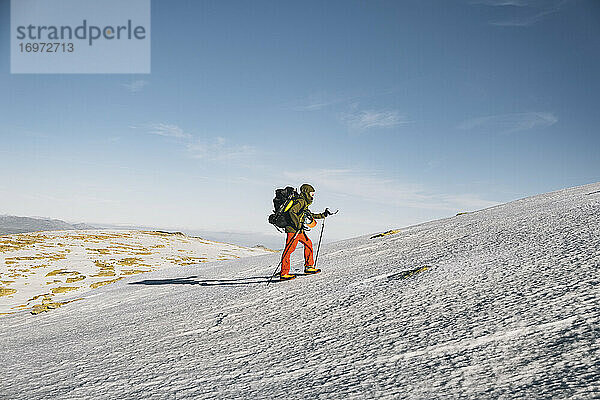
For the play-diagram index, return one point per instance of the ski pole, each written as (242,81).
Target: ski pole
(283,255)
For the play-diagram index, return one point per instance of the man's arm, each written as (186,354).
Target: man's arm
(322,215)
(317,216)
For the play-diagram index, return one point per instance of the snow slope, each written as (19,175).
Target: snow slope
(39,270)
(507,308)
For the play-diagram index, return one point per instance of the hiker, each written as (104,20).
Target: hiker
(296,216)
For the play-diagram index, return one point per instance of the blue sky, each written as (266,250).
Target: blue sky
(398,112)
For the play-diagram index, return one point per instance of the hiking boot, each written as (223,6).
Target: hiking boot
(311,270)
(287,277)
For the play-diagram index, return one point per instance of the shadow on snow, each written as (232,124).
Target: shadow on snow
(191,280)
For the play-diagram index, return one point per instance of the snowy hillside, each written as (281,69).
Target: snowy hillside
(40,270)
(504,303)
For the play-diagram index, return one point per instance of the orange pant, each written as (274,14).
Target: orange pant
(291,246)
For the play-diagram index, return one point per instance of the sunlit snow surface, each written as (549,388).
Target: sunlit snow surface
(42,269)
(508,308)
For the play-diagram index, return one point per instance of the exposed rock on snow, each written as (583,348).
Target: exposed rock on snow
(507,308)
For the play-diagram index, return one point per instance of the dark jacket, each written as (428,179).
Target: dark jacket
(298,211)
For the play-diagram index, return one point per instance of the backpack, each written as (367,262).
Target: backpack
(282,202)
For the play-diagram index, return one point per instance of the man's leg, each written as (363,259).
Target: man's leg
(308,249)
(290,245)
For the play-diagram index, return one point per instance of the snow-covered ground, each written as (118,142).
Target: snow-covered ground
(506,305)
(39,270)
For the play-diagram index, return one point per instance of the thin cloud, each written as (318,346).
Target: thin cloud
(218,149)
(510,123)
(168,131)
(523,12)
(214,149)
(499,3)
(320,101)
(315,106)
(375,188)
(136,86)
(367,119)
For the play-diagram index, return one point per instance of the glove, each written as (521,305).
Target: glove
(327,213)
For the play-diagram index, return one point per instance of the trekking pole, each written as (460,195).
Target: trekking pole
(283,255)
(319,245)
(320,237)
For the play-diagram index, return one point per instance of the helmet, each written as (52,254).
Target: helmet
(306,188)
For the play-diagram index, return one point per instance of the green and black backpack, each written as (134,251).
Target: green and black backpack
(284,198)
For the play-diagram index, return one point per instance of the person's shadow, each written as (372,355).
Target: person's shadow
(191,280)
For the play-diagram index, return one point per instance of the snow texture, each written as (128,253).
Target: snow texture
(507,308)
(41,269)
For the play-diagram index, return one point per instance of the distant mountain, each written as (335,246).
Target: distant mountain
(83,225)
(10,224)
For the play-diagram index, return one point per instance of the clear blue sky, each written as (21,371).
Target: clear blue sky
(396,111)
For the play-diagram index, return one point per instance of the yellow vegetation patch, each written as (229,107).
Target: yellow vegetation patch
(43,256)
(75,279)
(98,284)
(100,237)
(162,233)
(136,247)
(99,251)
(40,308)
(24,258)
(45,296)
(54,281)
(132,271)
(17,307)
(390,232)
(103,265)
(56,257)
(462,213)
(408,274)
(63,289)
(105,269)
(48,305)
(105,272)
(6,291)
(129,261)
(7,282)
(188,260)
(18,242)
(62,272)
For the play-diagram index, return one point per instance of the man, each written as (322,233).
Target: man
(295,217)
